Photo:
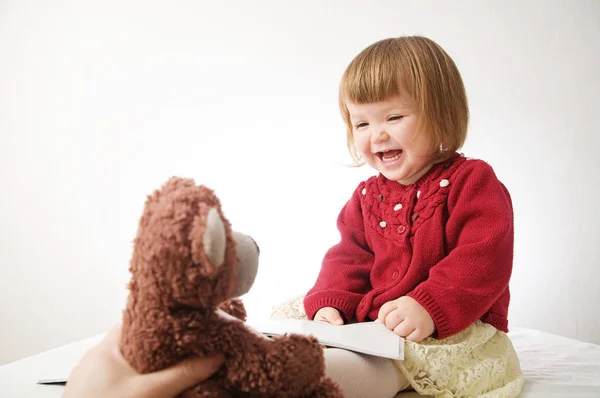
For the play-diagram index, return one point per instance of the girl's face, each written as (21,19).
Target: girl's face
(385,137)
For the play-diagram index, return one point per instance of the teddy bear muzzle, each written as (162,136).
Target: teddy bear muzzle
(248,254)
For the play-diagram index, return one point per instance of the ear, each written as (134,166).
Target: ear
(215,239)
(209,240)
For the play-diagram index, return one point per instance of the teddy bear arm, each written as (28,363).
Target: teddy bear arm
(255,363)
(273,366)
(235,308)
(211,388)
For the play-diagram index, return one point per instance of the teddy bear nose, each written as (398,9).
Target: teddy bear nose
(256,244)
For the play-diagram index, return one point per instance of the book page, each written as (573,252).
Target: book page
(371,338)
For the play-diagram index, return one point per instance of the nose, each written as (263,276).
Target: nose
(378,136)
(256,244)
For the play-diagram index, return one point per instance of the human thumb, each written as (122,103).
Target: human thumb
(170,382)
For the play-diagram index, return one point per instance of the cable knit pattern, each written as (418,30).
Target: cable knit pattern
(477,362)
(446,241)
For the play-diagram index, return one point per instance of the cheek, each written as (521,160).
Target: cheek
(423,145)
(406,134)
(361,142)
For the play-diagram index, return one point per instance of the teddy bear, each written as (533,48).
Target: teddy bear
(188,270)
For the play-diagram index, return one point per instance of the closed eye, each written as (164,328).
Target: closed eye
(395,117)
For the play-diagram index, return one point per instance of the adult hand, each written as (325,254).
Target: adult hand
(104,372)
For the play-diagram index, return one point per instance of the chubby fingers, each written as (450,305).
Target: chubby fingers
(394,319)
(334,317)
(404,329)
(411,330)
(329,315)
(390,315)
(385,310)
(416,336)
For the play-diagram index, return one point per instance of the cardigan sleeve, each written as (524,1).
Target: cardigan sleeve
(462,287)
(344,275)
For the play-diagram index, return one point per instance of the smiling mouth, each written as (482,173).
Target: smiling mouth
(389,156)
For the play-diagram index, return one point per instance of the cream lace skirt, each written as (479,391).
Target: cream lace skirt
(477,362)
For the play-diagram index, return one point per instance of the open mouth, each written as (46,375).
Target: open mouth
(390,155)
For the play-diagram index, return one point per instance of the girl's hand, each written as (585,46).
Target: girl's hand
(329,315)
(407,318)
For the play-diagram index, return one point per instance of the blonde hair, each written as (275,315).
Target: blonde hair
(423,70)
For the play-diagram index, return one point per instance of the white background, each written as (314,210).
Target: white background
(100,102)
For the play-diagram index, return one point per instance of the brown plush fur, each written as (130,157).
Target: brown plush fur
(175,291)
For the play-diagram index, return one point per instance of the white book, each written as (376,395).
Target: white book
(371,338)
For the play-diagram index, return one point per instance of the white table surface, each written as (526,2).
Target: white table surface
(19,379)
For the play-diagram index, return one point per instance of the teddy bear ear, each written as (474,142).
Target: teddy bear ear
(215,239)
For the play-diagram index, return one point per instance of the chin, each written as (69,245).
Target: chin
(393,176)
